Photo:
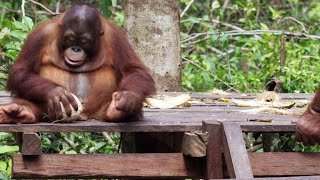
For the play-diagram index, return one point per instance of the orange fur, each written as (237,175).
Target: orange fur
(111,67)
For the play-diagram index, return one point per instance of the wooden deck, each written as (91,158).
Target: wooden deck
(224,123)
(175,120)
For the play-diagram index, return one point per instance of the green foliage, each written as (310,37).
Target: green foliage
(80,143)
(104,7)
(12,37)
(247,62)
(8,147)
(110,9)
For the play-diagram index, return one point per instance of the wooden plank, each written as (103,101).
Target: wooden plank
(235,152)
(31,144)
(172,121)
(214,151)
(98,126)
(285,164)
(268,127)
(200,95)
(178,124)
(5,94)
(289,178)
(107,165)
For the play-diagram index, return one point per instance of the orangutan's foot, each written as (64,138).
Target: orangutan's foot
(14,113)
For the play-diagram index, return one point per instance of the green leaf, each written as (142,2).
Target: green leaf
(104,7)
(18,34)
(3,166)
(20,26)
(7,149)
(4,135)
(264,26)
(71,152)
(28,22)
(3,176)
(275,14)
(215,5)
(9,168)
(99,145)
(114,3)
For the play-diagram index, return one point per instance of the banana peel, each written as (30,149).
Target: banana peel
(256,103)
(248,103)
(283,105)
(269,110)
(75,115)
(168,102)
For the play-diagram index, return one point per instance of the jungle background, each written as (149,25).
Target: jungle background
(232,45)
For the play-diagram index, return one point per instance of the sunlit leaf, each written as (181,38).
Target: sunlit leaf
(28,22)
(7,149)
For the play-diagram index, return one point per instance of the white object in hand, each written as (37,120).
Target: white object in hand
(75,115)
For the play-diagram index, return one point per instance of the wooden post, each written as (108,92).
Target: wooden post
(214,151)
(31,144)
(153,28)
(235,152)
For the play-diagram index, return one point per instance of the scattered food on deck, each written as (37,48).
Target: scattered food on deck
(271,102)
(260,120)
(224,100)
(168,102)
(219,92)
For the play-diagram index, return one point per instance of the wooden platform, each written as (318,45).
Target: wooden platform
(224,123)
(174,120)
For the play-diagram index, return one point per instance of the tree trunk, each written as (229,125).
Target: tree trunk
(153,30)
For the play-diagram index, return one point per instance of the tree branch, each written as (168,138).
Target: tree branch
(248,33)
(44,7)
(225,5)
(186,9)
(296,21)
(22,8)
(212,75)
(227,25)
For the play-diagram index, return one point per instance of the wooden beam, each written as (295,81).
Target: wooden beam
(285,164)
(201,95)
(147,125)
(157,165)
(214,151)
(31,144)
(268,127)
(288,178)
(235,152)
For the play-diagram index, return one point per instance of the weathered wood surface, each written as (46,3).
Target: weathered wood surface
(288,178)
(285,164)
(153,30)
(157,165)
(214,150)
(31,144)
(235,152)
(173,120)
(194,144)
